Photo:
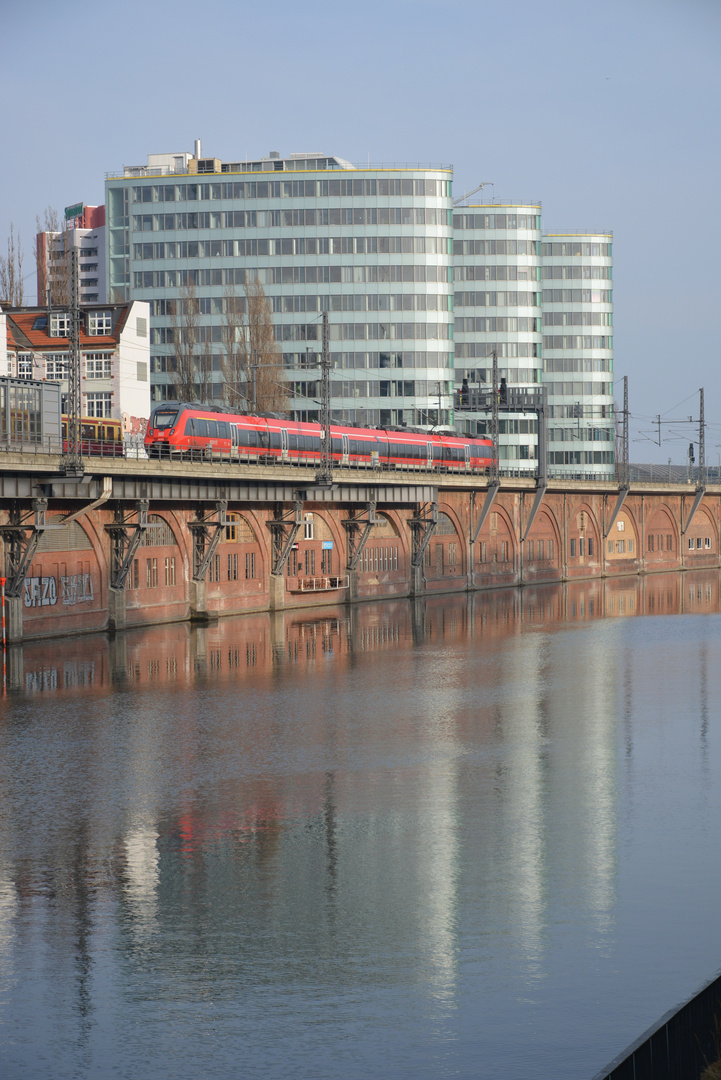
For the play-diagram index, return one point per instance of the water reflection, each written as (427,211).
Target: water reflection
(335,839)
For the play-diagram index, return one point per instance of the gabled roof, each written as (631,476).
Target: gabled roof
(28,329)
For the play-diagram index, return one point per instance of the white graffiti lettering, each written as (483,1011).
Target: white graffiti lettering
(77,589)
(41,592)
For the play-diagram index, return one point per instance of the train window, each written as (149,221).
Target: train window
(275,440)
(223,429)
(199,427)
(87,431)
(165,418)
(335,446)
(212,429)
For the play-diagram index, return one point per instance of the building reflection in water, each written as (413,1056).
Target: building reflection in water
(352,798)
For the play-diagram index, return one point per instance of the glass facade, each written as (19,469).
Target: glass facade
(578,352)
(372,247)
(497,307)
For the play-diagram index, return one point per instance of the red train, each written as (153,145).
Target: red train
(177,429)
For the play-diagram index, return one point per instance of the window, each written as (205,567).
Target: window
(250,565)
(60,324)
(483,551)
(698,541)
(651,542)
(214,569)
(100,323)
(99,405)
(620,547)
(136,574)
(550,549)
(56,367)
(573,548)
(610,547)
(231,528)
(630,545)
(581,545)
(151,573)
(707,542)
(669,543)
(504,551)
(691,543)
(233,567)
(308,527)
(98,365)
(141,327)
(170,570)
(25,365)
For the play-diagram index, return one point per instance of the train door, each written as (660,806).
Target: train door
(429,449)
(467,454)
(284,455)
(345,460)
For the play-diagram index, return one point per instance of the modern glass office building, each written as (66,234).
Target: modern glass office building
(370,245)
(578,352)
(497,304)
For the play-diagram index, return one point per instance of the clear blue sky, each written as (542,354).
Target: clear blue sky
(609,113)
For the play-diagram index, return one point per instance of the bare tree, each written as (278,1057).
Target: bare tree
(251,363)
(53,259)
(11,272)
(185,324)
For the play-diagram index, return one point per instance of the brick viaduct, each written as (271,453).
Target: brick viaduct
(138,542)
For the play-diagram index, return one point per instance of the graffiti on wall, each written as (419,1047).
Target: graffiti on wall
(74,589)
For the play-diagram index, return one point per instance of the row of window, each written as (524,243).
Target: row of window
(97,324)
(577,296)
(496,273)
(577,318)
(588,272)
(278,219)
(697,543)
(514,298)
(579,410)
(496,247)
(579,363)
(587,341)
(289,189)
(411,331)
(580,434)
(497,324)
(584,546)
(291,275)
(363,302)
(503,349)
(579,388)
(581,457)
(151,573)
(378,560)
(497,221)
(500,554)
(577,247)
(539,550)
(362,360)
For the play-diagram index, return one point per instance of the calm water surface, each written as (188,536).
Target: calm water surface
(464,838)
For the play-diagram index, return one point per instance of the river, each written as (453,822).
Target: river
(471,837)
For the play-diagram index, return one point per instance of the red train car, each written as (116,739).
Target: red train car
(177,429)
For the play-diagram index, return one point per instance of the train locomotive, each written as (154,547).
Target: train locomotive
(177,430)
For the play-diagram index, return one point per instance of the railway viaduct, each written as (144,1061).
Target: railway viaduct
(131,542)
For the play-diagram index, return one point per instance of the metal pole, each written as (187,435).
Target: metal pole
(701,442)
(254,369)
(74,450)
(2,588)
(325,470)
(495,467)
(625,430)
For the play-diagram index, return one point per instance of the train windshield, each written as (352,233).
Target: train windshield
(165,418)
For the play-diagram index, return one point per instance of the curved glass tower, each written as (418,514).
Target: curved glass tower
(578,352)
(371,246)
(497,306)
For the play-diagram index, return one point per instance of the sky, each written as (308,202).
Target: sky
(608,113)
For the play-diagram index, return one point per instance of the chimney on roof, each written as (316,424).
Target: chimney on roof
(274,154)
(198,150)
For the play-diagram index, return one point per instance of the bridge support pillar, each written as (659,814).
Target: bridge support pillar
(116,609)
(352,594)
(199,602)
(14,619)
(418,585)
(276,592)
